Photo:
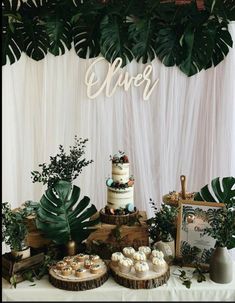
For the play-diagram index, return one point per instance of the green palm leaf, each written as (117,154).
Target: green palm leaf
(61,218)
(143,34)
(114,39)
(223,194)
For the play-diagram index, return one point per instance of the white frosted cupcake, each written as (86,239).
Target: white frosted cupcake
(116,257)
(139,256)
(157,253)
(95,258)
(141,269)
(159,265)
(128,252)
(146,250)
(61,264)
(125,265)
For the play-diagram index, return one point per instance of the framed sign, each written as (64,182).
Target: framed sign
(191,246)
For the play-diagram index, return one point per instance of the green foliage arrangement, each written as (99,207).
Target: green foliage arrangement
(14,229)
(163,225)
(62,166)
(221,220)
(187,36)
(61,218)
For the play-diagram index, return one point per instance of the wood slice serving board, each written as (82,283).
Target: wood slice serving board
(130,280)
(71,282)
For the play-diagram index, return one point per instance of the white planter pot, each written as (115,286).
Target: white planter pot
(25,253)
(168,249)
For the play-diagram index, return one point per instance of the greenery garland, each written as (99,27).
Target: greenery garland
(182,35)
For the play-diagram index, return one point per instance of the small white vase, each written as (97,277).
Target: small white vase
(221,266)
(25,253)
(168,249)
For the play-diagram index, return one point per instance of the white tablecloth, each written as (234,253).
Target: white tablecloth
(111,291)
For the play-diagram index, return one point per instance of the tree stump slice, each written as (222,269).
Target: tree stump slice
(73,283)
(130,280)
(118,219)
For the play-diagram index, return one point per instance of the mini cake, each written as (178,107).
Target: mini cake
(141,269)
(87,263)
(67,260)
(80,272)
(75,265)
(139,256)
(95,258)
(157,253)
(125,265)
(61,264)
(66,271)
(128,251)
(116,257)
(159,264)
(96,269)
(146,250)
(81,257)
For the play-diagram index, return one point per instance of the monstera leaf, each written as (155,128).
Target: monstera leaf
(217,193)
(59,32)
(143,35)
(114,39)
(167,45)
(60,218)
(86,36)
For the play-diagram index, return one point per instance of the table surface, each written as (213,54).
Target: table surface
(173,290)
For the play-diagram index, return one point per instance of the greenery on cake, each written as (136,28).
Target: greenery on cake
(121,157)
(163,225)
(63,166)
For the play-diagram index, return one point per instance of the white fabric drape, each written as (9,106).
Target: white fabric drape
(186,127)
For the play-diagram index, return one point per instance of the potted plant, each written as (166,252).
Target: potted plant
(162,229)
(14,230)
(222,226)
(63,166)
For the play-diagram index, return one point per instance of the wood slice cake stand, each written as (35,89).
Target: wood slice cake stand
(71,282)
(130,280)
(118,219)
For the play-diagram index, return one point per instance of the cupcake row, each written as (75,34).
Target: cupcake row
(79,265)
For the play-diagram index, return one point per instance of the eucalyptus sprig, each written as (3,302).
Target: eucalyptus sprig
(198,273)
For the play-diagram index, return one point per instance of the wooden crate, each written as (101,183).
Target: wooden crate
(11,267)
(110,238)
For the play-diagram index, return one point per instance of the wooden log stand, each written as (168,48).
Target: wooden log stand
(118,219)
(73,283)
(130,280)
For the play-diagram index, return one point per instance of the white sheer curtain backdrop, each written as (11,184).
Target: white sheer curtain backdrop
(186,127)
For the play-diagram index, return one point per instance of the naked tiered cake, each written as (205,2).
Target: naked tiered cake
(120,193)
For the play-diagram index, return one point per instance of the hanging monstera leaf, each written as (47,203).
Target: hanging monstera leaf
(142,32)
(198,48)
(114,39)
(86,36)
(223,192)
(167,45)
(60,218)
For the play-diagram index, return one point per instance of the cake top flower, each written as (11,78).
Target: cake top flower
(120,157)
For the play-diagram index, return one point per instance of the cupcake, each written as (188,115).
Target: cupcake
(61,264)
(146,250)
(75,265)
(67,260)
(95,258)
(125,265)
(116,257)
(157,253)
(66,271)
(88,263)
(81,257)
(80,272)
(139,256)
(141,269)
(128,251)
(96,269)
(159,264)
